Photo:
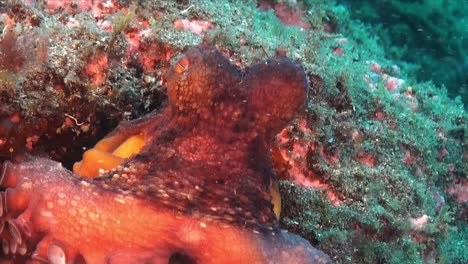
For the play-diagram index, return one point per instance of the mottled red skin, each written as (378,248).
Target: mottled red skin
(199,187)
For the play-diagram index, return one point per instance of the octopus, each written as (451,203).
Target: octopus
(189,183)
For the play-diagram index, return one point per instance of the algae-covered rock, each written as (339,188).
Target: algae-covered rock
(374,171)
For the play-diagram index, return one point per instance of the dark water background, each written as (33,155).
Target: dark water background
(428,37)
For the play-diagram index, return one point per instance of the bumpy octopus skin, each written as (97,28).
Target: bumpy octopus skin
(195,189)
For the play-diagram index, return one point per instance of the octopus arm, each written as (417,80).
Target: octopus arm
(61,218)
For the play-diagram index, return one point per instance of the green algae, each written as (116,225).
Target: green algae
(454,247)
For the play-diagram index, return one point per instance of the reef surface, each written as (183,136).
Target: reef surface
(373,170)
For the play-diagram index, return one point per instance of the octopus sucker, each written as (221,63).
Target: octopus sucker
(192,182)
(7,179)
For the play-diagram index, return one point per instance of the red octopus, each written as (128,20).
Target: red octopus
(192,183)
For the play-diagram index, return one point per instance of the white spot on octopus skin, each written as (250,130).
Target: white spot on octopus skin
(47,214)
(84,183)
(72,212)
(119,200)
(61,202)
(91,215)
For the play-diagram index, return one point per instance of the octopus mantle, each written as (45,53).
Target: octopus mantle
(189,184)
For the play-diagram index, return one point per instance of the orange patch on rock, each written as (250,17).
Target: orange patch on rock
(366,159)
(290,158)
(96,68)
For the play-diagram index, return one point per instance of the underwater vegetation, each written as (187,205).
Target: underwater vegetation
(372,169)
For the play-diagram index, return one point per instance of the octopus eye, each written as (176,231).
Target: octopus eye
(182,65)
